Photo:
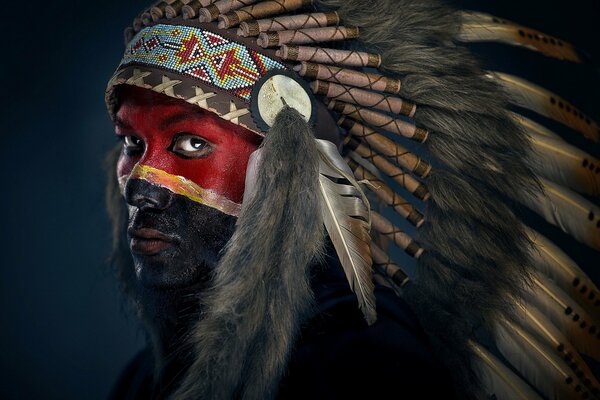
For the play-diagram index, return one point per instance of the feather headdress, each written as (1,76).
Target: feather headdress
(427,140)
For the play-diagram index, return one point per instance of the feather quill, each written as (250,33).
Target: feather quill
(572,320)
(534,322)
(345,213)
(567,210)
(551,261)
(532,127)
(562,163)
(542,368)
(497,380)
(535,98)
(479,27)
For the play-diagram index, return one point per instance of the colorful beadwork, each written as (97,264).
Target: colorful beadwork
(200,54)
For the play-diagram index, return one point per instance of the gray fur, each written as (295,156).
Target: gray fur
(260,291)
(475,247)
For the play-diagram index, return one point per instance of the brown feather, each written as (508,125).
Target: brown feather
(479,27)
(528,95)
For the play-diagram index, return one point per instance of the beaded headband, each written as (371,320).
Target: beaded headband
(214,54)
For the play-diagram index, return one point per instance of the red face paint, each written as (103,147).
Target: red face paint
(158,121)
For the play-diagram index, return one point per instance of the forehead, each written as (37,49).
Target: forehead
(132,98)
(140,106)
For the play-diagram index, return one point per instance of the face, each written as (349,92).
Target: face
(182,172)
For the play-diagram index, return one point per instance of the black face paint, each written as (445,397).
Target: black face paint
(175,242)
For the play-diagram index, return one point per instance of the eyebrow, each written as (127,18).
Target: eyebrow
(173,119)
(121,123)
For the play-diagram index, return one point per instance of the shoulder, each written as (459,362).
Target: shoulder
(339,356)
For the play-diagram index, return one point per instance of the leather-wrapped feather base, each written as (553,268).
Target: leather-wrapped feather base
(460,279)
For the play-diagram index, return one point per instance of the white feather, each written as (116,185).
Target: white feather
(569,211)
(572,320)
(535,323)
(252,175)
(540,366)
(535,98)
(532,127)
(346,216)
(550,260)
(479,27)
(562,163)
(498,380)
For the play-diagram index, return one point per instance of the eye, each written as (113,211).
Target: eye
(187,145)
(132,145)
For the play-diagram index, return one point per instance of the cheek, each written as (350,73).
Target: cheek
(223,171)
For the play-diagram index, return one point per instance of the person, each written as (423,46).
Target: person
(175,241)
(243,198)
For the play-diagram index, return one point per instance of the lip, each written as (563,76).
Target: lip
(148,241)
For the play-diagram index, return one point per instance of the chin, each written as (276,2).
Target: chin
(163,271)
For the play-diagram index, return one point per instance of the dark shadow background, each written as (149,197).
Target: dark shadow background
(63,331)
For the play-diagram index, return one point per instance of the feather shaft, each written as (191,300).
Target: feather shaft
(567,210)
(573,321)
(478,27)
(550,260)
(562,163)
(535,98)
(498,380)
(532,127)
(536,324)
(543,369)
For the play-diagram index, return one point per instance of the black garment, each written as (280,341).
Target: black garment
(338,356)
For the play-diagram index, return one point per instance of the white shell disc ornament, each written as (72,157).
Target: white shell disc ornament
(276,90)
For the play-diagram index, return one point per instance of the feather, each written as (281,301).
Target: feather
(569,164)
(366,164)
(562,163)
(479,27)
(530,319)
(532,127)
(525,94)
(345,213)
(572,320)
(542,368)
(497,380)
(551,261)
(567,210)
(252,175)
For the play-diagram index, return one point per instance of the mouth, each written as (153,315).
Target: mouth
(147,241)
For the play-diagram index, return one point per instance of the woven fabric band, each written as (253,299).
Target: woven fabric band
(203,55)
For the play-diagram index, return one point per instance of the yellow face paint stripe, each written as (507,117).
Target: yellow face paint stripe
(182,186)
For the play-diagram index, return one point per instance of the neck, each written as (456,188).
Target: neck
(168,315)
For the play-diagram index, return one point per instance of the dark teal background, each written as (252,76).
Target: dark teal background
(63,331)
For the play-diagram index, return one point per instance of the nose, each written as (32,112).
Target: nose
(146,196)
